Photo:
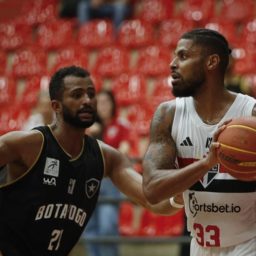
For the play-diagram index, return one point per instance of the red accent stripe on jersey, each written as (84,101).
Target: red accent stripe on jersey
(186,161)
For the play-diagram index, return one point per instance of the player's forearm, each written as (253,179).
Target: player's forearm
(163,184)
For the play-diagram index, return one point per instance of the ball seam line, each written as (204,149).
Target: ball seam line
(237,149)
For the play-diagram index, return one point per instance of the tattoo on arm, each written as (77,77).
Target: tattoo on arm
(162,150)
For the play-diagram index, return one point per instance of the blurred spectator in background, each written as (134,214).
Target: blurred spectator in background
(68,8)
(42,114)
(115,132)
(117,10)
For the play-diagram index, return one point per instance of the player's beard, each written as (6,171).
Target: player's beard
(189,87)
(75,121)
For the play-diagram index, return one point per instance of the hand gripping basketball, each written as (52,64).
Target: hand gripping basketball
(237,150)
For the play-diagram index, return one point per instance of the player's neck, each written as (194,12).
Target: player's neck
(212,107)
(70,139)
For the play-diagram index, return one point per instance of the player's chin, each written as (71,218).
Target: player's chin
(87,123)
(83,123)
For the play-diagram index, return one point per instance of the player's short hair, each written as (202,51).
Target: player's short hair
(56,86)
(213,41)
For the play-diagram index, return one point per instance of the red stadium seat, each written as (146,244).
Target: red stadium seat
(30,95)
(161,91)
(68,56)
(39,11)
(56,34)
(126,219)
(5,119)
(3,63)
(170,225)
(198,11)
(96,34)
(13,117)
(154,11)
(226,28)
(140,116)
(97,81)
(244,62)
(111,61)
(135,34)
(153,61)
(29,62)
(157,225)
(170,31)
(9,10)
(14,35)
(129,88)
(7,91)
(147,225)
(248,34)
(237,11)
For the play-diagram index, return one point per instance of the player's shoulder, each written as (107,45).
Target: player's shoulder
(111,157)
(107,149)
(22,137)
(164,113)
(167,106)
(110,154)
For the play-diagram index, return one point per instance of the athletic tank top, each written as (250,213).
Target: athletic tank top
(220,210)
(44,212)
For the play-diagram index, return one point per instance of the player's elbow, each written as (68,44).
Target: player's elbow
(150,193)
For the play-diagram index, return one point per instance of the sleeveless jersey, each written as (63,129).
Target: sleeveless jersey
(220,210)
(44,212)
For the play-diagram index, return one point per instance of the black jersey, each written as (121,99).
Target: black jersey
(45,211)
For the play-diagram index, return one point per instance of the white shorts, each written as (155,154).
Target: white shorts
(248,248)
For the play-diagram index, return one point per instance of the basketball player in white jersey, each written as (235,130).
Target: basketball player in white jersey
(181,158)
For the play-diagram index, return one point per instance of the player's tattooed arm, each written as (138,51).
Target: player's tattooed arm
(161,152)
(159,159)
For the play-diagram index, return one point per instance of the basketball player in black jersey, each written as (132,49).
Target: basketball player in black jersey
(53,174)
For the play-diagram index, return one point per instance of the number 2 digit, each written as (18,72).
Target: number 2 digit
(55,240)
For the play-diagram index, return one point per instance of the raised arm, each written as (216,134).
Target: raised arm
(119,169)
(161,178)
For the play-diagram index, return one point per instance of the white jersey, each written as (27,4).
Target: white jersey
(220,210)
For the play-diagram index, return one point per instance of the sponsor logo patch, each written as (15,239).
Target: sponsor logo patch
(52,167)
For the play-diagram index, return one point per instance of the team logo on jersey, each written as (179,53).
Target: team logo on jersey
(192,203)
(91,187)
(210,175)
(52,167)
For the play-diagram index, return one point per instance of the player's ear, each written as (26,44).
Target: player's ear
(56,106)
(213,61)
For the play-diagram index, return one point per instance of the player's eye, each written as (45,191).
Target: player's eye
(77,94)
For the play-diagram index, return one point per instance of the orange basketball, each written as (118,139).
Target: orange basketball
(237,151)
